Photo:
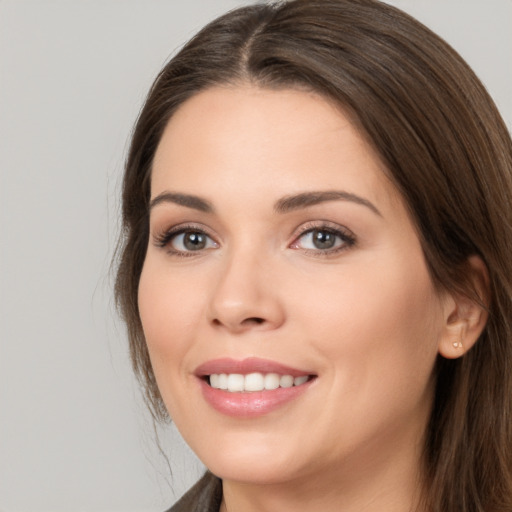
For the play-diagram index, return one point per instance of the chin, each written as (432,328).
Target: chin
(251,471)
(254,458)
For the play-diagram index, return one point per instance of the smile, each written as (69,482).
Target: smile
(251,387)
(239,383)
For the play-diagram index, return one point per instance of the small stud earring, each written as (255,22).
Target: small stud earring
(457,344)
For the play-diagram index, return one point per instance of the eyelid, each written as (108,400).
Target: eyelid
(345,234)
(162,238)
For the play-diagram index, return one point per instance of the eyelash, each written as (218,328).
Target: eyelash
(164,239)
(347,238)
(345,235)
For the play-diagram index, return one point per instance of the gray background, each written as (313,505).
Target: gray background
(74,434)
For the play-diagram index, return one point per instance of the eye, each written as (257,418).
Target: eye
(185,240)
(192,241)
(324,240)
(320,239)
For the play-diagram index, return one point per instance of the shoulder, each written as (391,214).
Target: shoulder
(204,496)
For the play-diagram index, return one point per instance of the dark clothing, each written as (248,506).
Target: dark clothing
(205,496)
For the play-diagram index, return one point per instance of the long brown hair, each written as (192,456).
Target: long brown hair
(446,149)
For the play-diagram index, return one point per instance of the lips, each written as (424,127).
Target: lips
(250,387)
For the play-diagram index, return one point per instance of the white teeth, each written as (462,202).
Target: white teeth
(286,381)
(223,381)
(236,382)
(300,380)
(214,381)
(253,382)
(271,381)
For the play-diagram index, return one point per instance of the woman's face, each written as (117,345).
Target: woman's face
(281,255)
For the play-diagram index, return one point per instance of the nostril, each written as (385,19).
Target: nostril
(253,320)
(247,321)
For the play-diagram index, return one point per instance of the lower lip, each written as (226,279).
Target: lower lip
(253,404)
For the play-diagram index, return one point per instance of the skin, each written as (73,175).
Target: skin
(366,318)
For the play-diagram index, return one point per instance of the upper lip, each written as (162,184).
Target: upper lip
(245,366)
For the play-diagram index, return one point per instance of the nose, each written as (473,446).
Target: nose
(246,297)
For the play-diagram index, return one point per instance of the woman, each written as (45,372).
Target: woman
(316,270)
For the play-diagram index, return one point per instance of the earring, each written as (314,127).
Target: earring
(457,344)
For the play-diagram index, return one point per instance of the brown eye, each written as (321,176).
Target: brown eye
(194,241)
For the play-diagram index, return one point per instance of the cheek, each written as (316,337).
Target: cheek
(170,310)
(376,322)
(167,315)
(378,338)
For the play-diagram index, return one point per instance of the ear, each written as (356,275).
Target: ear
(465,317)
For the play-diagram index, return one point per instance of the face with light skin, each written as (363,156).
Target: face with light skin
(292,245)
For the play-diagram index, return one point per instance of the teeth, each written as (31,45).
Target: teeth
(300,380)
(286,381)
(214,381)
(223,381)
(271,381)
(253,382)
(236,382)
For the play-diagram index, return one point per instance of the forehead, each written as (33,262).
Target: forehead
(250,137)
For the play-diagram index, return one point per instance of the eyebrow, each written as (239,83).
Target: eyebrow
(190,201)
(283,205)
(305,199)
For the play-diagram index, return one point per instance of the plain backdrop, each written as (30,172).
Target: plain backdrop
(74,433)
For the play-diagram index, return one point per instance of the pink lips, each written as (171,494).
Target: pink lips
(245,366)
(249,404)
